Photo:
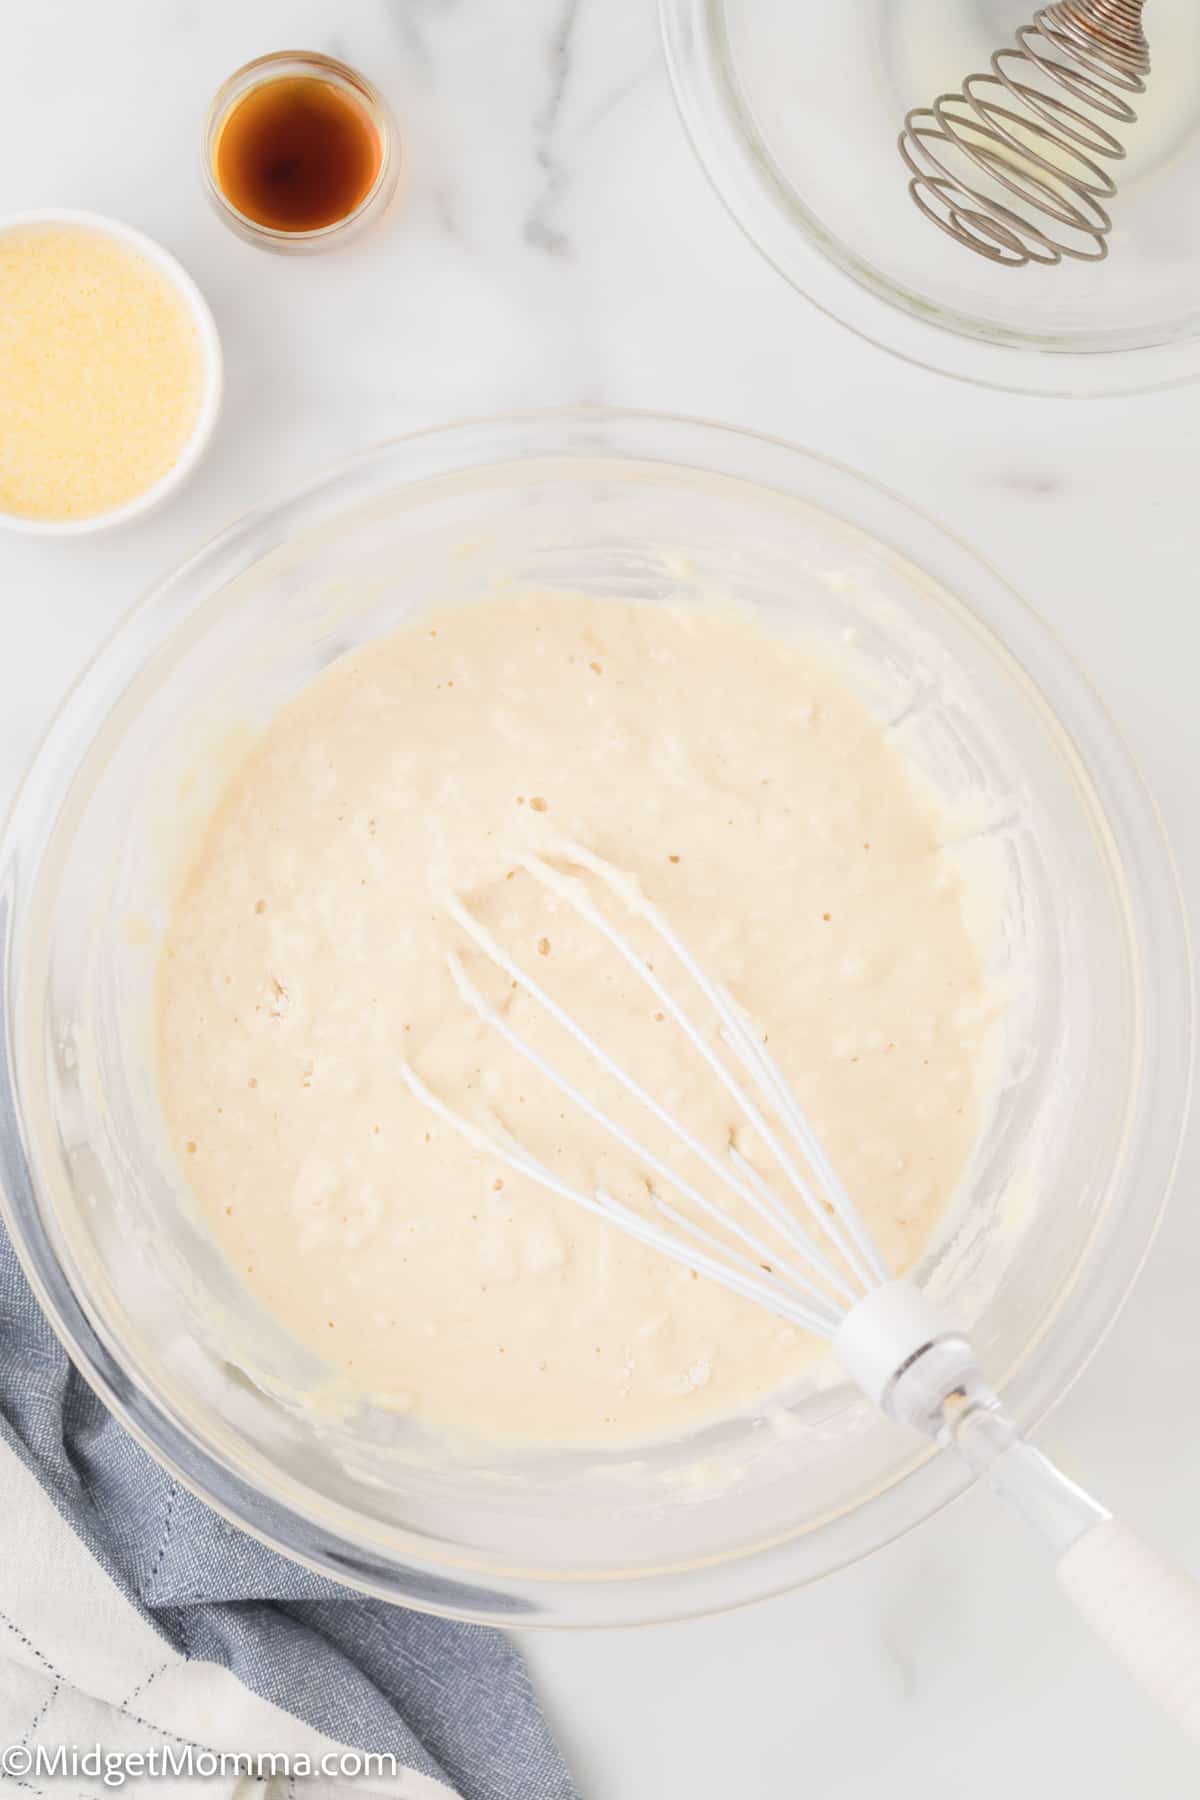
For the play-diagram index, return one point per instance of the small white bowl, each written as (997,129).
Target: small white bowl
(214,381)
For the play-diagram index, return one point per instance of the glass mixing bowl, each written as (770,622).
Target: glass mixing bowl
(795,112)
(1071,1171)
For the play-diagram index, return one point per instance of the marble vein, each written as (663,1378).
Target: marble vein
(542,228)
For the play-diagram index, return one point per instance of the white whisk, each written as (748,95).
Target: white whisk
(826,1275)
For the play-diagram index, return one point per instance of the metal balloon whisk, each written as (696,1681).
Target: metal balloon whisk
(1013,165)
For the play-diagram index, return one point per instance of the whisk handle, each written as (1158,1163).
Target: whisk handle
(1144,1609)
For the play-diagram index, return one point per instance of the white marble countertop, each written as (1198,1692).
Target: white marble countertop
(557,242)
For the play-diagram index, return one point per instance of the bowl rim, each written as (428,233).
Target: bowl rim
(913,333)
(458,1587)
(214,372)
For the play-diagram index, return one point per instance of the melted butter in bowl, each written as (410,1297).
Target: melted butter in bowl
(110,372)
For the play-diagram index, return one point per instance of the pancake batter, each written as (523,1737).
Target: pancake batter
(743,781)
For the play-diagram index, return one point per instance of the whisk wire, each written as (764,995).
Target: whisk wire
(1103,35)
(818,1312)
(751,1176)
(1059,121)
(642,1152)
(763,1289)
(842,1210)
(809,1286)
(484,941)
(756,1270)
(734,1030)
(1017,131)
(570,889)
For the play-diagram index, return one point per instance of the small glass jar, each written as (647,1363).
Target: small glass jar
(291,65)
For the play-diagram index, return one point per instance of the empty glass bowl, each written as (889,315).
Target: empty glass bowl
(795,113)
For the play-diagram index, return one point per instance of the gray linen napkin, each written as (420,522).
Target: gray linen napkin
(452,1702)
